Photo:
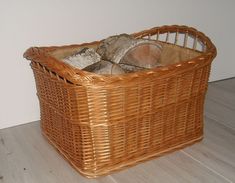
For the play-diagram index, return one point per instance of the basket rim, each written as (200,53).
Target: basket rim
(41,55)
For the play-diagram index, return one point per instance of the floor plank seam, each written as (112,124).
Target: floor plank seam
(220,103)
(220,80)
(112,179)
(201,163)
(219,123)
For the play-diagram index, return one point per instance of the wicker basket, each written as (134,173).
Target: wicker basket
(103,123)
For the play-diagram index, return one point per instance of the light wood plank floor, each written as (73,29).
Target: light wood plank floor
(26,157)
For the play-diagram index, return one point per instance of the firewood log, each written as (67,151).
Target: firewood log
(83,58)
(124,49)
(105,67)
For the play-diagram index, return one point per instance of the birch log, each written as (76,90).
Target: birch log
(83,58)
(131,53)
(105,67)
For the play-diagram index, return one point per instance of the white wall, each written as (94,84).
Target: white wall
(28,23)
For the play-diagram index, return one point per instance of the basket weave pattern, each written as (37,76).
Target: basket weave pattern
(105,123)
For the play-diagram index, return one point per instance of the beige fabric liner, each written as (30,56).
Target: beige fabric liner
(170,53)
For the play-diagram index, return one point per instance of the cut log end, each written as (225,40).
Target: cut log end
(144,55)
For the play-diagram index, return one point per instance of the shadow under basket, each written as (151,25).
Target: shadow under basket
(102,123)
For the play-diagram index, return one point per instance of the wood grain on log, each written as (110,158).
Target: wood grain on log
(83,58)
(105,67)
(127,50)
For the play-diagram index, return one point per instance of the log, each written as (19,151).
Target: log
(105,67)
(124,49)
(83,58)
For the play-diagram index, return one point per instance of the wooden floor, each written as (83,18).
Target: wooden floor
(26,157)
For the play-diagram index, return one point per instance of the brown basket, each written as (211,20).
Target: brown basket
(103,123)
